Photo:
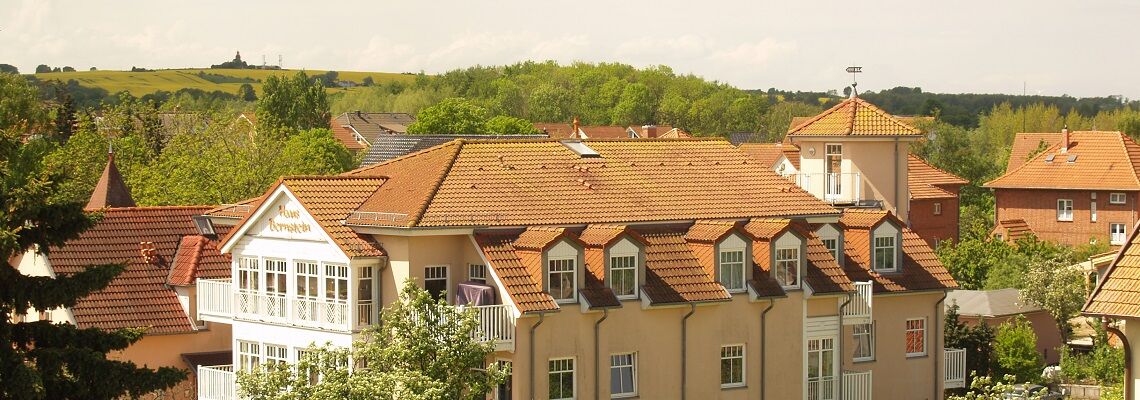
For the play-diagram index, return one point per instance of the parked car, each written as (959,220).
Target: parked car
(1023,391)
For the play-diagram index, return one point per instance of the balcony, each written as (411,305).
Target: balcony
(215,300)
(858,311)
(954,368)
(857,385)
(217,383)
(833,188)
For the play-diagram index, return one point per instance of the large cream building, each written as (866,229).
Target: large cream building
(658,269)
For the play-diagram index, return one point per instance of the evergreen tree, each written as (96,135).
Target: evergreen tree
(41,360)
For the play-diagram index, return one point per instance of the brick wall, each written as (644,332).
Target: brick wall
(1039,209)
(934,228)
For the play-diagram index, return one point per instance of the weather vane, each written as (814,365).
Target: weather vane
(854,70)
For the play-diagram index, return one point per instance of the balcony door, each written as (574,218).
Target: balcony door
(833,163)
(821,376)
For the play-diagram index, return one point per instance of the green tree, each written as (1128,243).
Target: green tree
(41,360)
(9,69)
(1015,351)
(504,125)
(451,116)
(316,152)
(635,107)
(423,349)
(42,69)
(971,260)
(367,81)
(290,105)
(977,340)
(1058,288)
(245,92)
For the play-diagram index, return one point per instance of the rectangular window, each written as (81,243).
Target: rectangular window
(276,273)
(1116,198)
(1118,235)
(1064,210)
(623,275)
(937,208)
(885,253)
(248,271)
(832,246)
(864,335)
(477,273)
(821,377)
(732,366)
(276,354)
(312,365)
(1092,211)
(249,355)
(435,281)
(561,378)
(336,283)
(623,375)
(788,266)
(563,278)
(505,391)
(732,269)
(916,337)
(308,291)
(365,309)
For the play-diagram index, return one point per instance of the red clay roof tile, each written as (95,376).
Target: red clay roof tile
(1101,161)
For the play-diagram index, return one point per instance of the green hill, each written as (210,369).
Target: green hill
(225,80)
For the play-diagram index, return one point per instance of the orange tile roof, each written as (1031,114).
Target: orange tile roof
(139,297)
(911,120)
(236,210)
(520,284)
(1025,144)
(1118,292)
(1103,161)
(542,182)
(926,181)
(344,135)
(198,257)
(1013,230)
(537,238)
(920,269)
(854,117)
(709,231)
(769,153)
(673,273)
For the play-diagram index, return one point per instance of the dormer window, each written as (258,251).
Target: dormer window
(885,248)
(786,260)
(622,277)
(562,272)
(731,263)
(832,239)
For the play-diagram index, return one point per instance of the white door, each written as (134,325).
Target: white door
(821,380)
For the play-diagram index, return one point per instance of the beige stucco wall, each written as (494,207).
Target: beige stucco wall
(895,376)
(1048,335)
(408,256)
(873,160)
(1132,332)
(166,350)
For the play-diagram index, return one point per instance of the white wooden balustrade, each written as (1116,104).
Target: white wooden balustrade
(858,311)
(954,368)
(857,385)
(497,322)
(217,383)
(215,300)
(835,188)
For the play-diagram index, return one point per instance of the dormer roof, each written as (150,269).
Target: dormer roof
(920,268)
(854,117)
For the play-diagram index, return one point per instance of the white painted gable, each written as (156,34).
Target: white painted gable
(282,226)
(285,218)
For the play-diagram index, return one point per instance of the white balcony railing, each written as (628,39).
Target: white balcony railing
(821,389)
(835,188)
(215,300)
(319,313)
(497,322)
(217,383)
(858,311)
(954,368)
(857,385)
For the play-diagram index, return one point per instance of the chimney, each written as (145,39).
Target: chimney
(649,131)
(357,113)
(1065,139)
(148,252)
(574,131)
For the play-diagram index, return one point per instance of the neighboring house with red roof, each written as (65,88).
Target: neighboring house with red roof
(165,250)
(1082,186)
(574,248)
(996,307)
(933,200)
(1116,298)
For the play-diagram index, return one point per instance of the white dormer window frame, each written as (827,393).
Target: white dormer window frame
(562,272)
(623,269)
(732,263)
(787,260)
(832,239)
(885,241)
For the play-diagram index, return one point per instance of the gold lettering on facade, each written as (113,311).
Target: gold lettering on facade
(288,226)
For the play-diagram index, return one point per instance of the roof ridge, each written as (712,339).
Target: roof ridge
(155,208)
(851,118)
(437,147)
(928,164)
(1125,143)
(439,182)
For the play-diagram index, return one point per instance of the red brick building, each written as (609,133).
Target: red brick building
(933,201)
(1082,186)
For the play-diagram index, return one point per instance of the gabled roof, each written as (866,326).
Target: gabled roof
(373,124)
(854,117)
(920,268)
(139,297)
(344,135)
(1100,161)
(1118,292)
(544,182)
(1013,229)
(387,147)
(911,120)
(990,303)
(926,181)
(769,154)
(1026,143)
(198,257)
(110,191)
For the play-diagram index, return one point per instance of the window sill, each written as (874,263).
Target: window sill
(917,356)
(863,360)
(624,396)
(733,387)
(737,291)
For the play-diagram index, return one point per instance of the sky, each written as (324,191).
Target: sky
(1079,48)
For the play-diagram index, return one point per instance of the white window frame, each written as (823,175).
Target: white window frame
(723,272)
(572,271)
(366,304)
(477,273)
(275,354)
(921,330)
(1064,209)
(338,276)
(1117,238)
(894,250)
(782,262)
(249,355)
(834,250)
(627,262)
(729,352)
(432,273)
(550,371)
(249,274)
(632,367)
(1092,211)
(867,330)
(937,208)
(1117,198)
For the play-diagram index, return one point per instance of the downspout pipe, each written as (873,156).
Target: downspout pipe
(684,338)
(839,345)
(597,354)
(763,351)
(541,318)
(1127,358)
(936,356)
(897,193)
